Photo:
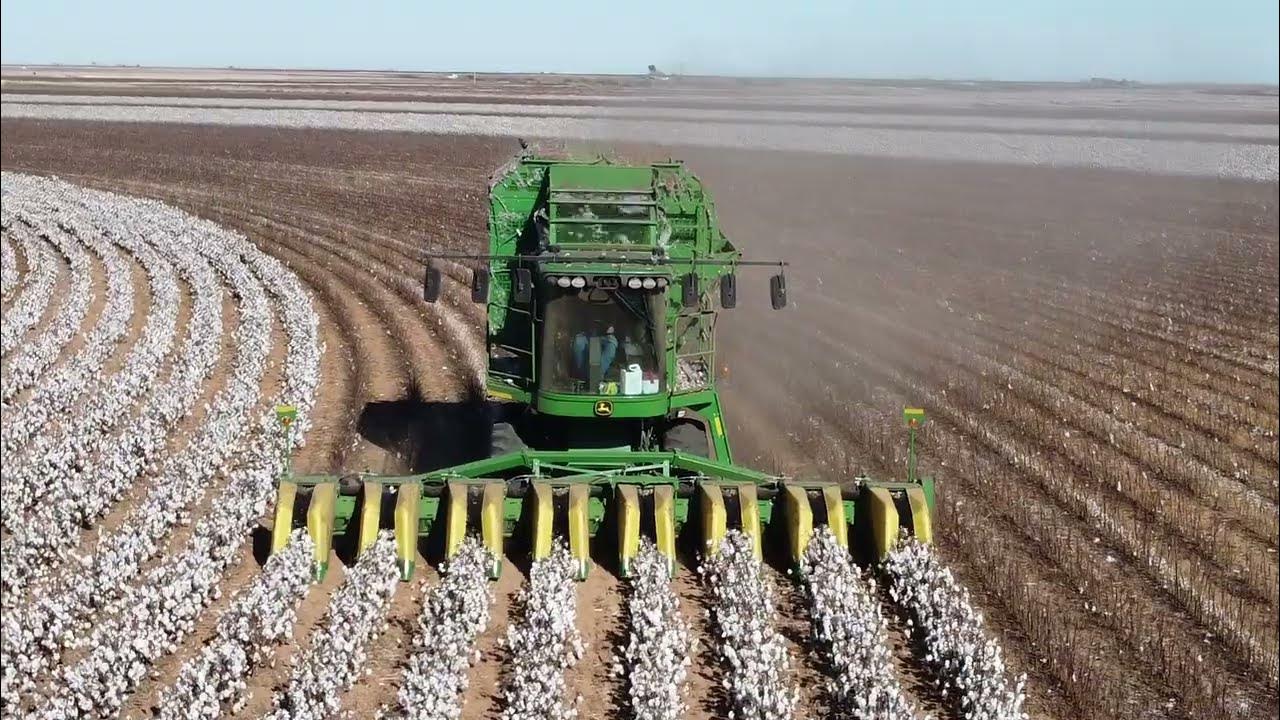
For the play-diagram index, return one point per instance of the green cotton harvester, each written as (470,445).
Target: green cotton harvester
(601,282)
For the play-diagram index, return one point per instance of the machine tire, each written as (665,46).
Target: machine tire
(687,436)
(504,440)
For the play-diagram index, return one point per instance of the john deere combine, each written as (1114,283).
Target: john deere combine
(601,283)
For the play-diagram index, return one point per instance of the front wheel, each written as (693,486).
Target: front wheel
(687,436)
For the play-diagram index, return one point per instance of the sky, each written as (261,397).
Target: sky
(1167,41)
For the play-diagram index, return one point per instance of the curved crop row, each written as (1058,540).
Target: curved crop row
(58,391)
(93,466)
(83,486)
(24,367)
(114,396)
(261,618)
(337,652)
(34,293)
(153,616)
(9,276)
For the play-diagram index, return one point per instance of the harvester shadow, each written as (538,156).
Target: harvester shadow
(429,434)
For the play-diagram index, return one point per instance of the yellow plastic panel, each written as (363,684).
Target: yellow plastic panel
(836,519)
(884,520)
(921,521)
(711,504)
(455,518)
(750,509)
(627,502)
(285,496)
(320,524)
(799,520)
(406,530)
(491,529)
(579,540)
(664,524)
(370,514)
(542,520)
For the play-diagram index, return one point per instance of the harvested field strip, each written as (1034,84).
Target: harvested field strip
(1136,381)
(1148,494)
(1241,623)
(1247,632)
(1224,391)
(1074,386)
(1206,605)
(1071,647)
(408,284)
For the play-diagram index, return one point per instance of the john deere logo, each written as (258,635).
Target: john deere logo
(604,408)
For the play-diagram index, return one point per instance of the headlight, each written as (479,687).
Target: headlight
(578,282)
(650,283)
(563,281)
(662,282)
(634,283)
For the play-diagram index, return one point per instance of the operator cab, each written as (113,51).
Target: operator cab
(600,336)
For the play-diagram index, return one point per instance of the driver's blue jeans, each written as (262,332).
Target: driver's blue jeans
(608,351)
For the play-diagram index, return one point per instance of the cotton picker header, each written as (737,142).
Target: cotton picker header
(601,282)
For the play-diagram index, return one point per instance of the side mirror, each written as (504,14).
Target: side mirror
(778,291)
(689,290)
(523,288)
(480,285)
(729,291)
(431,284)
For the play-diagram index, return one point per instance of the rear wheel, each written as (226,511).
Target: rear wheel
(504,440)
(688,437)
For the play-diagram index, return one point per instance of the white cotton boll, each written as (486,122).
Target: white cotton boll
(337,653)
(758,667)
(656,659)
(454,612)
(849,629)
(545,641)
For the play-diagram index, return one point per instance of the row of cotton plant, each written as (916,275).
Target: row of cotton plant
(56,394)
(544,642)
(338,650)
(966,660)
(262,618)
(757,666)
(151,616)
(655,661)
(454,612)
(851,634)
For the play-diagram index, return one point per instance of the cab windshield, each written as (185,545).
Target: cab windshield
(603,341)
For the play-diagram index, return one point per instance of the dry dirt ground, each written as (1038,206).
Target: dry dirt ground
(1097,349)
